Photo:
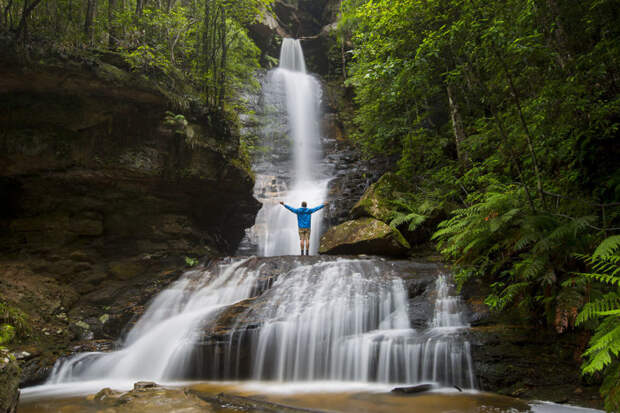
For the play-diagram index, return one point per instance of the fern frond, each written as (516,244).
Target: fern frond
(604,278)
(594,309)
(608,246)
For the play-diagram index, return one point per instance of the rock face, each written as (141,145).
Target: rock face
(312,21)
(515,358)
(9,383)
(363,236)
(104,192)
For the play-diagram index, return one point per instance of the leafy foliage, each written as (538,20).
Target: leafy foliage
(191,262)
(202,42)
(511,109)
(603,353)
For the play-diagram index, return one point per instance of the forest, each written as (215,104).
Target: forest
(503,117)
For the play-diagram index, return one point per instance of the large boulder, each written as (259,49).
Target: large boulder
(364,236)
(375,202)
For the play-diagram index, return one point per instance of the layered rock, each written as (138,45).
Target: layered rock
(108,181)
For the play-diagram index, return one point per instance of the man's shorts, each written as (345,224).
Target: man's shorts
(304,234)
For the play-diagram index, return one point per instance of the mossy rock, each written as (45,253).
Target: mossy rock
(9,382)
(375,202)
(364,236)
(126,270)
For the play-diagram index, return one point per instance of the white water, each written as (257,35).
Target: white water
(156,346)
(293,97)
(339,320)
(349,321)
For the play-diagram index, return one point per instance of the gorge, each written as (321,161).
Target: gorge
(346,322)
(147,265)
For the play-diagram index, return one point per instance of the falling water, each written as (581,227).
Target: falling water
(156,346)
(292,105)
(335,319)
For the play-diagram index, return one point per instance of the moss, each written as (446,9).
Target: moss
(9,382)
(15,318)
(364,236)
(375,202)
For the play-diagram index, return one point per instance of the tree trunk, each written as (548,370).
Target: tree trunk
(7,22)
(140,5)
(89,29)
(23,23)
(457,126)
(112,27)
(224,47)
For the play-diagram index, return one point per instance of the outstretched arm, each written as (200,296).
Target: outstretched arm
(290,208)
(313,210)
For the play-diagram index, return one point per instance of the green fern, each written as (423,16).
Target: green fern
(599,307)
(608,247)
(407,213)
(603,352)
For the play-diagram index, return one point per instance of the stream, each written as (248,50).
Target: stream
(315,333)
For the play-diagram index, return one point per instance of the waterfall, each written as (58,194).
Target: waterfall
(333,319)
(156,346)
(291,102)
(294,319)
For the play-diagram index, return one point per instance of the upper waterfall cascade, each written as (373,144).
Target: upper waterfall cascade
(291,106)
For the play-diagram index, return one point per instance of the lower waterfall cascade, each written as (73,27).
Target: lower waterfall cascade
(333,319)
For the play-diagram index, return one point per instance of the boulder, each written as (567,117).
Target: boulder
(9,383)
(375,202)
(364,236)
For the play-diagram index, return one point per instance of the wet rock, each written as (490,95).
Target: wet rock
(105,394)
(141,385)
(151,399)
(364,236)
(422,388)
(85,149)
(532,363)
(9,383)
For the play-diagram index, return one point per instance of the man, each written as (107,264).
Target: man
(303,222)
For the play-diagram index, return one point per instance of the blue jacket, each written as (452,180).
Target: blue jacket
(303,214)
